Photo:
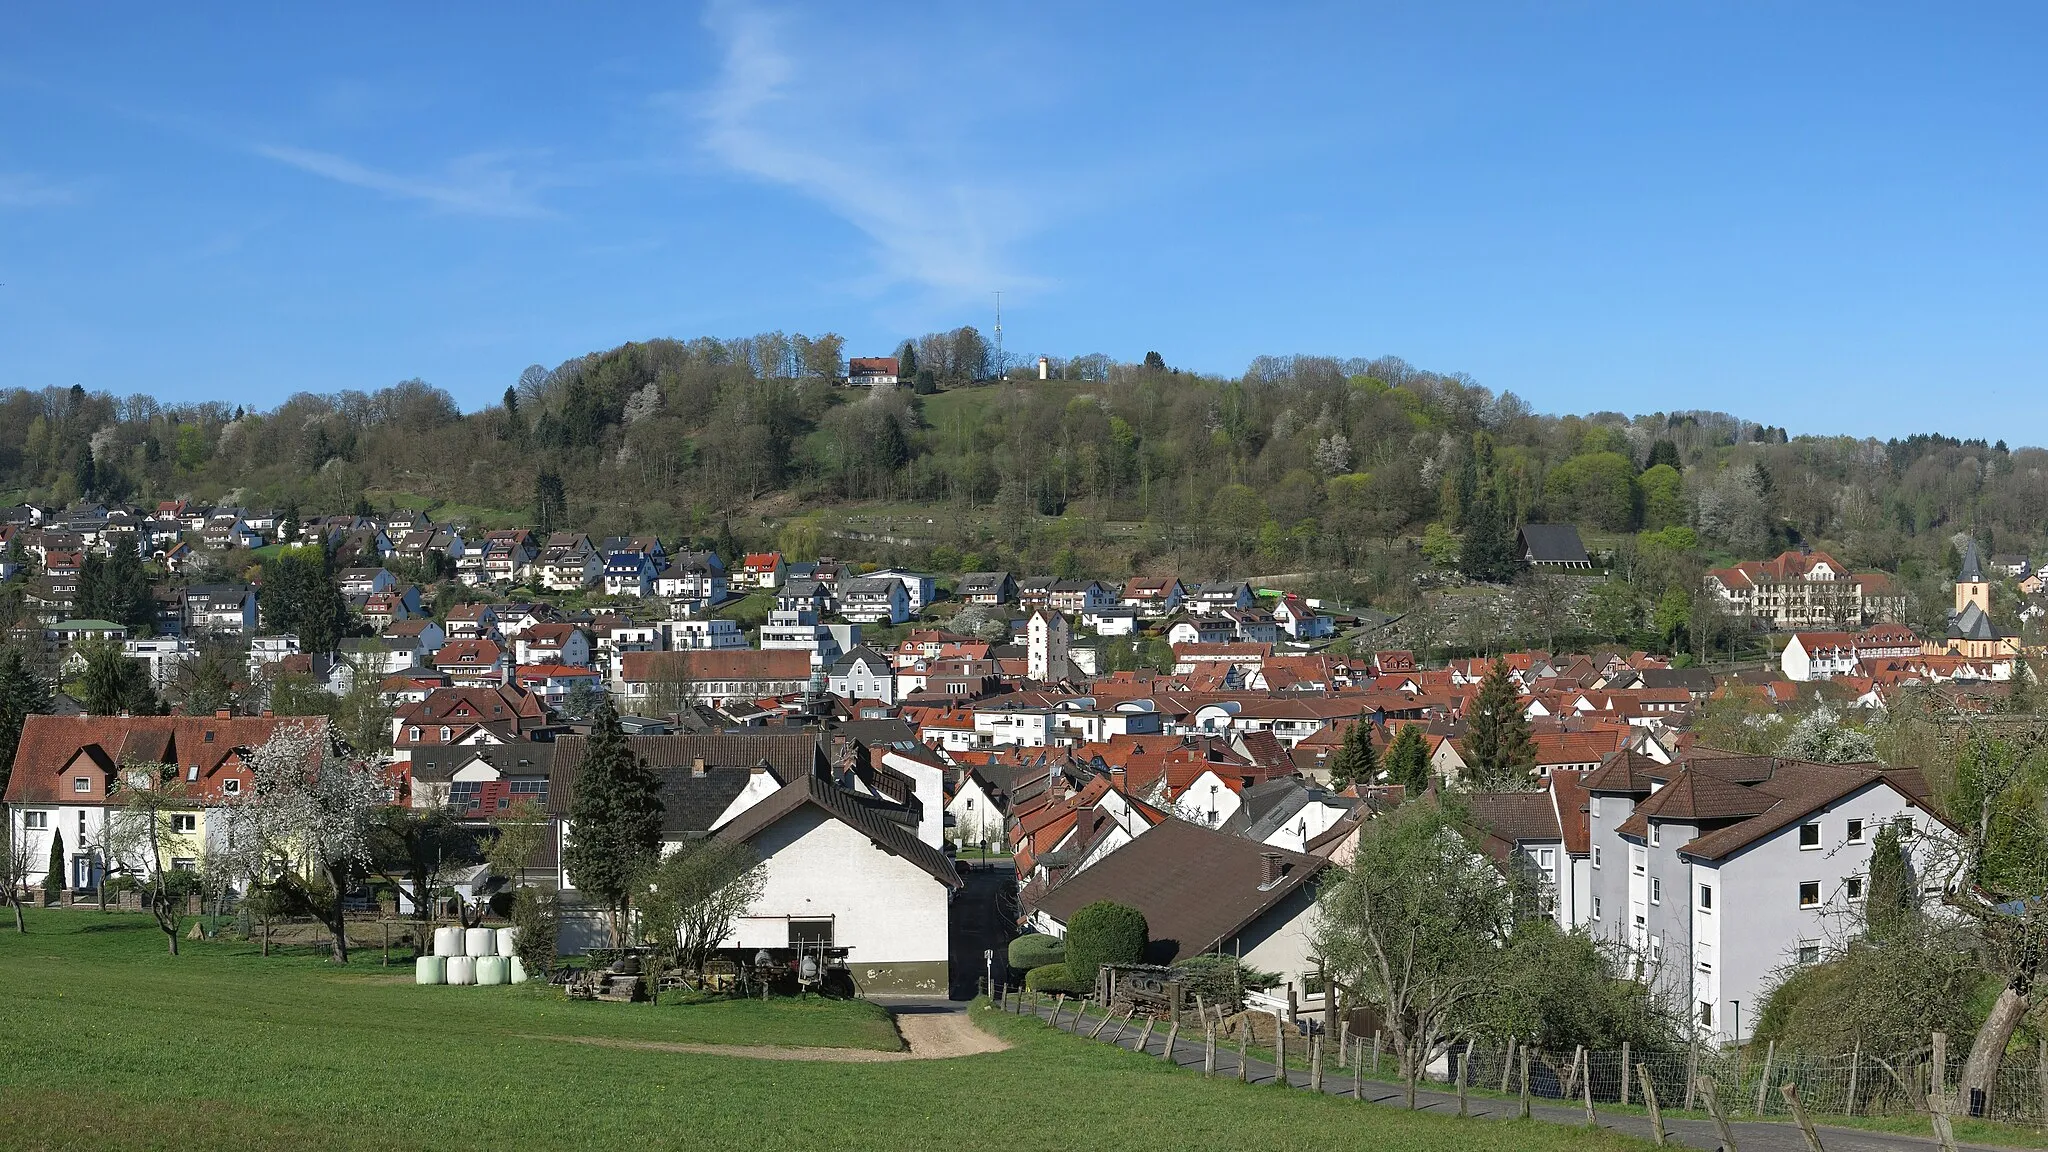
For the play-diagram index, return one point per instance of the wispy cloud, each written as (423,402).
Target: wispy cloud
(790,121)
(480,184)
(28,190)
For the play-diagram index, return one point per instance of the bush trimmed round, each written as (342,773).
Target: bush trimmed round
(1105,933)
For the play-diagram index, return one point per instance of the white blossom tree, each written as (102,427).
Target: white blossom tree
(304,829)
(1820,736)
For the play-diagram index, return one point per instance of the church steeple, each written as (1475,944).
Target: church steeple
(1971,587)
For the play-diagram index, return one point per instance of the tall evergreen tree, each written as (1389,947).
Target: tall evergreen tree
(1486,551)
(114,587)
(53,876)
(1890,900)
(1497,746)
(550,502)
(301,596)
(1407,761)
(1355,761)
(22,694)
(614,820)
(113,683)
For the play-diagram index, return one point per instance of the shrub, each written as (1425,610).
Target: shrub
(1056,978)
(533,914)
(1104,933)
(1220,979)
(1036,950)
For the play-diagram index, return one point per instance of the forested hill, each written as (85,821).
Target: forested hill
(1300,463)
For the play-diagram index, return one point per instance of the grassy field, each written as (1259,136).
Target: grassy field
(105,1042)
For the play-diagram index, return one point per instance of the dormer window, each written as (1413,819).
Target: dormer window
(81,783)
(231,786)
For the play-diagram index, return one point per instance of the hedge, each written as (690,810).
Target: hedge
(1055,978)
(1036,950)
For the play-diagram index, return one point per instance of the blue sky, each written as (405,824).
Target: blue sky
(1826,216)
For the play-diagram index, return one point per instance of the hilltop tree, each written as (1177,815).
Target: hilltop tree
(1498,749)
(614,821)
(1355,761)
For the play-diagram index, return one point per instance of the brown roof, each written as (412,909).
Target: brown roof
(857,813)
(52,744)
(718,664)
(1198,888)
(1515,816)
(1739,800)
(789,754)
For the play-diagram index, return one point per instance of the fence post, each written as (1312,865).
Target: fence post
(387,942)
(1209,1051)
(1626,1064)
(1344,1043)
(1122,1026)
(1571,1078)
(1790,1092)
(1244,1040)
(1524,1054)
(1937,1071)
(1650,1102)
(1172,1035)
(1507,1062)
(1464,1078)
(1144,1035)
(1358,1071)
(1855,1065)
(1764,1081)
(1712,1092)
(1101,1024)
(1375,1051)
(2041,1074)
(1315,1064)
(1692,1069)
(1059,1004)
(1279,1052)
(1587,1086)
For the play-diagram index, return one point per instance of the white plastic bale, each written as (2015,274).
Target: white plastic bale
(491,970)
(517,970)
(480,942)
(447,941)
(461,970)
(508,941)
(430,970)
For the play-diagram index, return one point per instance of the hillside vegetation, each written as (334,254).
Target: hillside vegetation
(1300,464)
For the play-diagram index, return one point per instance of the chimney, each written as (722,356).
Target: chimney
(697,766)
(1269,870)
(1044,367)
(223,713)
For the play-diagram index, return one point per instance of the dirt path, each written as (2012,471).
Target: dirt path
(931,1036)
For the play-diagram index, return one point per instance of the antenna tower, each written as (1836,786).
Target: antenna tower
(1002,368)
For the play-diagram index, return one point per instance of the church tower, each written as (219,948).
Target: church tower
(1971,587)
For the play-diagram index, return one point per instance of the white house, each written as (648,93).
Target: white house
(875,600)
(862,674)
(839,874)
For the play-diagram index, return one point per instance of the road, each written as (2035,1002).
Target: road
(980,924)
(1750,1135)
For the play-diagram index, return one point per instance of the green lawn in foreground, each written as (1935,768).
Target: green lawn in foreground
(105,1042)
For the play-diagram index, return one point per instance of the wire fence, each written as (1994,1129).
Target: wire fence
(1747,1083)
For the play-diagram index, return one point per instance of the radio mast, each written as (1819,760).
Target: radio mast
(1002,367)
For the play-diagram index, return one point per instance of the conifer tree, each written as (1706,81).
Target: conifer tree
(1355,761)
(1890,900)
(614,820)
(53,879)
(1407,761)
(22,694)
(1499,752)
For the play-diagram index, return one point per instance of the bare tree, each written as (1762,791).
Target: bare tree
(521,831)
(156,798)
(16,866)
(696,894)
